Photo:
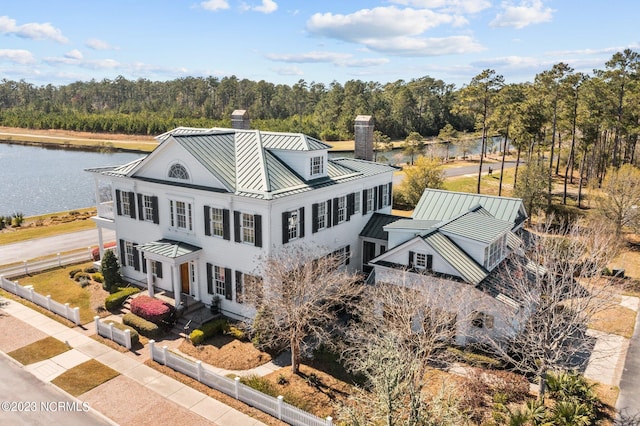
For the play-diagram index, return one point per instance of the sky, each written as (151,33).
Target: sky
(283,41)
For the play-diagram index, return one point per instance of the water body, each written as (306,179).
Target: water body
(35,180)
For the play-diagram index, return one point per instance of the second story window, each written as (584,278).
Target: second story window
(317,166)
(386,201)
(126,205)
(217,222)
(322,216)
(342,209)
(247,229)
(181,215)
(148,207)
(494,253)
(370,200)
(294,225)
(424,261)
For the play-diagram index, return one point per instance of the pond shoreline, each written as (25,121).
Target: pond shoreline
(102,148)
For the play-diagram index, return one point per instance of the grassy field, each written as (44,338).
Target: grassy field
(84,377)
(49,225)
(39,351)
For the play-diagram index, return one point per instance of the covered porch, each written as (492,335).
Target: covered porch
(181,260)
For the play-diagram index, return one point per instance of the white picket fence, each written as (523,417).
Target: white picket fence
(30,266)
(27,292)
(121,337)
(266,403)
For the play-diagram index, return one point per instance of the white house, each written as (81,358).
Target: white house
(195,215)
(452,246)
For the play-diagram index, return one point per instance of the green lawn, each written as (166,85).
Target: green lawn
(39,351)
(63,289)
(489,184)
(56,224)
(84,377)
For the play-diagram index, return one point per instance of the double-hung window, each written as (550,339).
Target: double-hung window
(385,196)
(147,207)
(247,228)
(371,200)
(294,225)
(424,261)
(317,166)
(125,202)
(181,215)
(322,216)
(342,209)
(128,249)
(219,280)
(217,222)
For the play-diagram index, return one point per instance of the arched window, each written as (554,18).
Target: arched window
(178,171)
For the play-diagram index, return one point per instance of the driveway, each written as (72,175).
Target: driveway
(26,250)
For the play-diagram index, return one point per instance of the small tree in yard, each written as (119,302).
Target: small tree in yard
(424,174)
(400,329)
(564,291)
(110,270)
(299,298)
(620,203)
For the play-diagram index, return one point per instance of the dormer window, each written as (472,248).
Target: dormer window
(494,253)
(317,166)
(178,171)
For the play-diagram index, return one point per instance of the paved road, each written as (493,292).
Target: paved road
(38,403)
(465,170)
(26,250)
(629,399)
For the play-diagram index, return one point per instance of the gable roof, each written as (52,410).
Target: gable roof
(375,226)
(436,204)
(477,225)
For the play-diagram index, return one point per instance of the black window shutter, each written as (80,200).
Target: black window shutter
(285,227)
(429,262)
(132,204)
(207,221)
(239,289)
(236,227)
(159,269)
(226,230)
(136,259)
(140,207)
(210,278)
(227,284)
(144,263)
(335,211)
(347,255)
(390,185)
(118,202)
(257,222)
(328,214)
(364,201)
(351,203)
(156,212)
(380,197)
(123,254)
(314,218)
(301,218)
(411,254)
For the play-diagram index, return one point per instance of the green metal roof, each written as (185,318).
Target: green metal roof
(418,225)
(376,224)
(292,142)
(468,268)
(477,226)
(437,204)
(168,248)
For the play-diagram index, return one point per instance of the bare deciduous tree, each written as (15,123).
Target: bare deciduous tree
(299,297)
(400,329)
(560,278)
(620,203)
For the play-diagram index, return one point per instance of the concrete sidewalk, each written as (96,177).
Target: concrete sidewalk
(140,391)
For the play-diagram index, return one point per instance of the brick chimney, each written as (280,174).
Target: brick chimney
(364,137)
(240,119)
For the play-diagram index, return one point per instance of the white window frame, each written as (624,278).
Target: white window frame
(219,280)
(356,202)
(494,253)
(217,222)
(342,254)
(178,171)
(294,224)
(128,252)
(181,215)
(316,166)
(371,200)
(154,268)
(342,209)
(247,228)
(385,196)
(147,207)
(125,203)
(322,215)
(421,260)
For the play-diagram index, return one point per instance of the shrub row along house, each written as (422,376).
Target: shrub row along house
(195,216)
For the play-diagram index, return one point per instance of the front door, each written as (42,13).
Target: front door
(184,277)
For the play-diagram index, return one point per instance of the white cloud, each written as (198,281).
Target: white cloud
(339,59)
(429,46)
(74,54)
(18,56)
(288,71)
(268,6)
(528,12)
(453,6)
(97,44)
(33,31)
(214,5)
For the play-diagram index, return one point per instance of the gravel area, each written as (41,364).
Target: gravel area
(15,333)
(130,403)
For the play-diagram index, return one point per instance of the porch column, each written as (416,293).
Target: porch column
(177,287)
(149,277)
(100,242)
(196,282)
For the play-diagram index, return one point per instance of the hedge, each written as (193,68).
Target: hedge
(144,327)
(115,300)
(207,330)
(150,308)
(135,337)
